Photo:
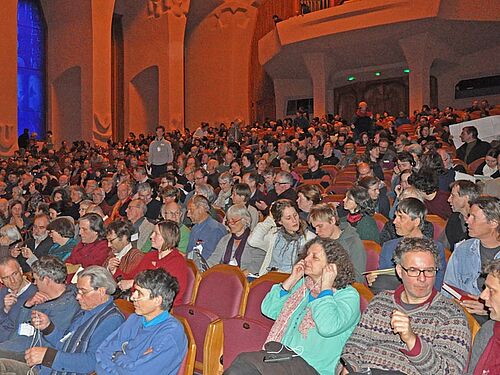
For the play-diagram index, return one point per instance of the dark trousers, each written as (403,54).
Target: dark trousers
(252,363)
(158,170)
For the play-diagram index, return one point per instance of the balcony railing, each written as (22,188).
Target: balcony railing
(307,6)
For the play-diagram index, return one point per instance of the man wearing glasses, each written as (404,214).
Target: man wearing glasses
(72,349)
(414,329)
(14,294)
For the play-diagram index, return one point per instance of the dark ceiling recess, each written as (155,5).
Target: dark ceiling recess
(469,88)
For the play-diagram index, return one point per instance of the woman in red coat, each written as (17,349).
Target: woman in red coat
(165,254)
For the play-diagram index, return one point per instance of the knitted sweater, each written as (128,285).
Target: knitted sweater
(443,337)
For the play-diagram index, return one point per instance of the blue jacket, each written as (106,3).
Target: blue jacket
(75,347)
(464,267)
(8,321)
(60,311)
(209,232)
(387,254)
(140,347)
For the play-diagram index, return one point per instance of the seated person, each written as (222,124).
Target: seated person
(470,257)
(307,196)
(485,353)
(233,248)
(378,193)
(315,311)
(436,201)
(325,220)
(151,341)
(173,211)
(73,349)
(165,254)
(62,231)
(241,194)
(93,248)
(409,222)
(315,172)
(462,193)
(53,298)
(124,257)
(360,209)
(136,213)
(414,329)
(281,235)
(17,289)
(388,232)
(206,231)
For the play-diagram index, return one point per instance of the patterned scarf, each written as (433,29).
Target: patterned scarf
(280,325)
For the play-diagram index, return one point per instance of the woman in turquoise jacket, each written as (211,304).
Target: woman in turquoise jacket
(315,311)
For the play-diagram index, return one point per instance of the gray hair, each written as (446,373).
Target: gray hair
(414,148)
(412,244)
(144,186)
(414,208)
(201,201)
(207,191)
(226,177)
(140,205)
(11,232)
(100,277)
(285,176)
(239,210)
(51,267)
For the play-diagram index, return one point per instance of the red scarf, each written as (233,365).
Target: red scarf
(354,218)
(489,363)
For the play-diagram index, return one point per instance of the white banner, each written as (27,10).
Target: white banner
(488,129)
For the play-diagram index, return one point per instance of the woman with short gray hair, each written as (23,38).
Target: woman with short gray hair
(233,248)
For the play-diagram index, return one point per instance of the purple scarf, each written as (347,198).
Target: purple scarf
(239,250)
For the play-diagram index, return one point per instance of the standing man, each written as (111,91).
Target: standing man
(160,153)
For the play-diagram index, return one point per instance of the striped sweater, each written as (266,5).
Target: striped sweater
(441,327)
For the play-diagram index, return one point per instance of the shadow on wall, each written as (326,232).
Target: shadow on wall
(66,105)
(143,101)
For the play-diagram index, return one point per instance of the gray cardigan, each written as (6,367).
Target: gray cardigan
(251,258)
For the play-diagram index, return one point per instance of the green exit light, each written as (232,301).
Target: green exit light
(406,71)
(378,74)
(351,78)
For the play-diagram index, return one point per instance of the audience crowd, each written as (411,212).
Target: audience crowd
(82,226)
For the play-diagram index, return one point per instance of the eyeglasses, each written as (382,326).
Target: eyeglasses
(84,292)
(112,239)
(415,272)
(233,221)
(280,183)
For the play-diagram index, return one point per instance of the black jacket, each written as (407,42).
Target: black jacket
(479,150)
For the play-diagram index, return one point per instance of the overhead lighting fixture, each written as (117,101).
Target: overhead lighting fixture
(406,71)
(351,78)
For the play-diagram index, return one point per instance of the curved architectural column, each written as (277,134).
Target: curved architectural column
(8,77)
(319,71)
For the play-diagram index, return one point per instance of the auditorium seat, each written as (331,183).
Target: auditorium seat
(187,366)
(365,295)
(373,251)
(193,280)
(380,220)
(439,225)
(257,291)
(226,338)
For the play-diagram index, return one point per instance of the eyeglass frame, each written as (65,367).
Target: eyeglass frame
(435,270)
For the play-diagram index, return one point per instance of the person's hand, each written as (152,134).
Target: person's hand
(261,205)
(474,306)
(39,320)
(125,284)
(400,323)
(398,190)
(328,276)
(296,275)
(370,278)
(8,301)
(37,299)
(15,252)
(26,251)
(113,264)
(34,356)
(4,240)
(344,371)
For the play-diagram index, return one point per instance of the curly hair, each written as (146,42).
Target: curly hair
(425,180)
(413,244)
(364,203)
(336,254)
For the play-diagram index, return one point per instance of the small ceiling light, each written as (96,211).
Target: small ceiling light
(406,71)
(351,78)
(378,74)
